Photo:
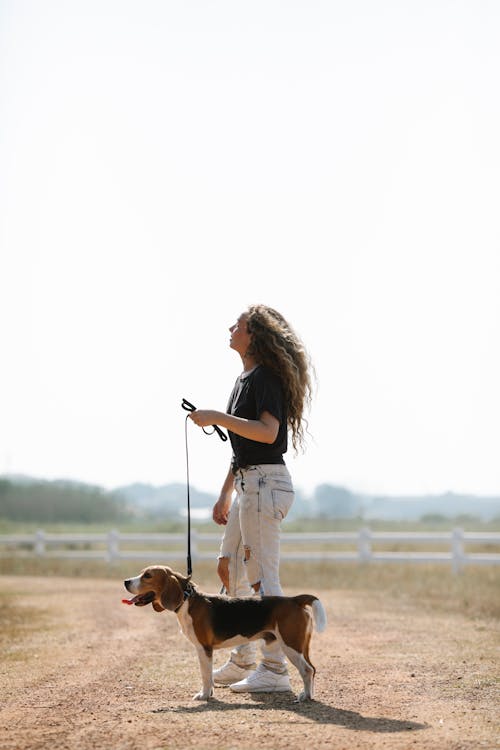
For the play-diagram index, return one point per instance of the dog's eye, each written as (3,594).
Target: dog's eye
(147,575)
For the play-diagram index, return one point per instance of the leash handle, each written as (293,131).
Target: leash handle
(188,406)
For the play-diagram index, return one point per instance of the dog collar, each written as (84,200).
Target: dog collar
(188,591)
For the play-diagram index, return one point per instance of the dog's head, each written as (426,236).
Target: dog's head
(158,585)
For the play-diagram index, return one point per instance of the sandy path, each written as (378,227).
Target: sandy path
(81,671)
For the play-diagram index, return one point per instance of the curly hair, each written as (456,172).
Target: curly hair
(275,344)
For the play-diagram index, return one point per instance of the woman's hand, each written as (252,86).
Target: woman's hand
(205,417)
(223,505)
(221,510)
(223,571)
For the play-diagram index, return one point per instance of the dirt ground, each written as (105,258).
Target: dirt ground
(79,671)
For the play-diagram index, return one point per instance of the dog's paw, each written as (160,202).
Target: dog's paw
(303,696)
(203,696)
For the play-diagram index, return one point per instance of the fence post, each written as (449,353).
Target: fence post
(113,545)
(40,543)
(365,545)
(457,550)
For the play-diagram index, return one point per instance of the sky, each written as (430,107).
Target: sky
(163,165)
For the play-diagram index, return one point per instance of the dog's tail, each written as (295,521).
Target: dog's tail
(318,611)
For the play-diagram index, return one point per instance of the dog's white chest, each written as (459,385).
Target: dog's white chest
(186,623)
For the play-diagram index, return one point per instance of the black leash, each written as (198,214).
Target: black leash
(187,406)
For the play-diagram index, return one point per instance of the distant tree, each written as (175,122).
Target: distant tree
(336,502)
(302,506)
(60,501)
(433,518)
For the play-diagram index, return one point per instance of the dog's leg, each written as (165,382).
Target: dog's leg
(310,666)
(207,689)
(306,670)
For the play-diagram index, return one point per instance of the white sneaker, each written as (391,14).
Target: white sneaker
(231,672)
(263,681)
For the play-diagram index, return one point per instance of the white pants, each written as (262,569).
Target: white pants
(252,543)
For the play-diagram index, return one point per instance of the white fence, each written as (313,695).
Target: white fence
(361,546)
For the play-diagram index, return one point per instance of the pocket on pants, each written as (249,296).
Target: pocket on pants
(282,502)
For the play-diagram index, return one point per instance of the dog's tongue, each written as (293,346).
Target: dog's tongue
(141,599)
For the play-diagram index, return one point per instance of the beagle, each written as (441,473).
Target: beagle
(212,622)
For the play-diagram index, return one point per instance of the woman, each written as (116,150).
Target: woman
(268,400)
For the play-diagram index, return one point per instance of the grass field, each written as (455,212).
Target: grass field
(178,525)
(474,592)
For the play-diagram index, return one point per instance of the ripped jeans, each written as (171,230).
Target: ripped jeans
(252,543)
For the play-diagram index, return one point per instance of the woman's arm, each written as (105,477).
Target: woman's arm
(263,430)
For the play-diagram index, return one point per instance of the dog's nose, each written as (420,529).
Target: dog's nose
(126,583)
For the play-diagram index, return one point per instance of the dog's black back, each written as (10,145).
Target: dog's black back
(237,616)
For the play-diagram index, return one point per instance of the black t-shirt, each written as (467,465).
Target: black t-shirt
(258,391)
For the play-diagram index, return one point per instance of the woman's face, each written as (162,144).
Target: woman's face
(240,338)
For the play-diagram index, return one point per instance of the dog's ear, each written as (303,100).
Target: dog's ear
(157,607)
(172,595)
